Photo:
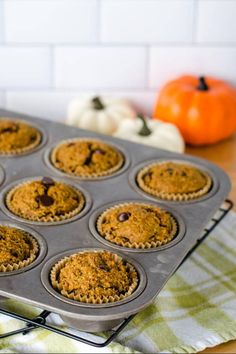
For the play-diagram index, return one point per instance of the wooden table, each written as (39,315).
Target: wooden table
(222,154)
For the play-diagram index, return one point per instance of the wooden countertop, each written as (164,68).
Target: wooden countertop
(222,154)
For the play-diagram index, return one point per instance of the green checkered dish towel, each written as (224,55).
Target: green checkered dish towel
(196,309)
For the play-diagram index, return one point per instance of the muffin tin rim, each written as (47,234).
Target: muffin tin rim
(43,248)
(2,175)
(53,260)
(43,141)
(124,167)
(141,302)
(132,180)
(83,212)
(181,227)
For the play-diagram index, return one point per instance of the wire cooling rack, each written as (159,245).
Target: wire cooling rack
(41,320)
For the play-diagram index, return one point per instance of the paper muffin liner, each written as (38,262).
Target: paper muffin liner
(140,245)
(27,148)
(55,218)
(22,264)
(179,197)
(91,299)
(87,175)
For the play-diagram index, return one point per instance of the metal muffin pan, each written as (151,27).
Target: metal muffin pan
(2,175)
(157,265)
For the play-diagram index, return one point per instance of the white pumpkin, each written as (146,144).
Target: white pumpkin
(101,115)
(151,132)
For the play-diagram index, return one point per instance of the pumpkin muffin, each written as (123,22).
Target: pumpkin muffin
(174,181)
(17,137)
(45,200)
(17,248)
(86,158)
(95,277)
(137,225)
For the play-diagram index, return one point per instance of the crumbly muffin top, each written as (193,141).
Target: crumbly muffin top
(15,135)
(136,224)
(95,274)
(15,245)
(44,199)
(173,177)
(86,157)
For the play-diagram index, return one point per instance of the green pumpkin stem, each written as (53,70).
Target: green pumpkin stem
(144,131)
(202,85)
(97,103)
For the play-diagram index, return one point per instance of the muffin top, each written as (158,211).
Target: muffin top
(95,275)
(15,245)
(136,225)
(173,178)
(89,158)
(45,200)
(17,136)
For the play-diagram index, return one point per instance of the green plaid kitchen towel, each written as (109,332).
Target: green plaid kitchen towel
(195,310)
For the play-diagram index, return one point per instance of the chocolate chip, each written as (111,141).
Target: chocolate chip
(14,253)
(148,174)
(12,129)
(184,174)
(70,144)
(45,200)
(170,171)
(104,267)
(47,181)
(123,216)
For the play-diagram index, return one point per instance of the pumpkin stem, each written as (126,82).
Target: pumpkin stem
(97,103)
(144,131)
(202,86)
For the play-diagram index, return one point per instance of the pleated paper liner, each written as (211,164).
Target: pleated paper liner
(173,196)
(85,298)
(48,218)
(22,150)
(21,264)
(108,172)
(140,245)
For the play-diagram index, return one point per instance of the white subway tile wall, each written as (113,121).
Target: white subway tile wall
(1,23)
(52,51)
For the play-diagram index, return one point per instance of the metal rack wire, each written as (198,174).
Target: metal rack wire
(41,319)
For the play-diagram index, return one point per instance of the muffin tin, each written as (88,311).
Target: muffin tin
(155,266)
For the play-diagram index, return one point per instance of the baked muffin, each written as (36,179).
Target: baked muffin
(174,181)
(94,277)
(45,200)
(17,248)
(137,225)
(17,137)
(86,158)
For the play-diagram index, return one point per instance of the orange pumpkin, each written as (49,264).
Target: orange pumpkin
(203,109)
